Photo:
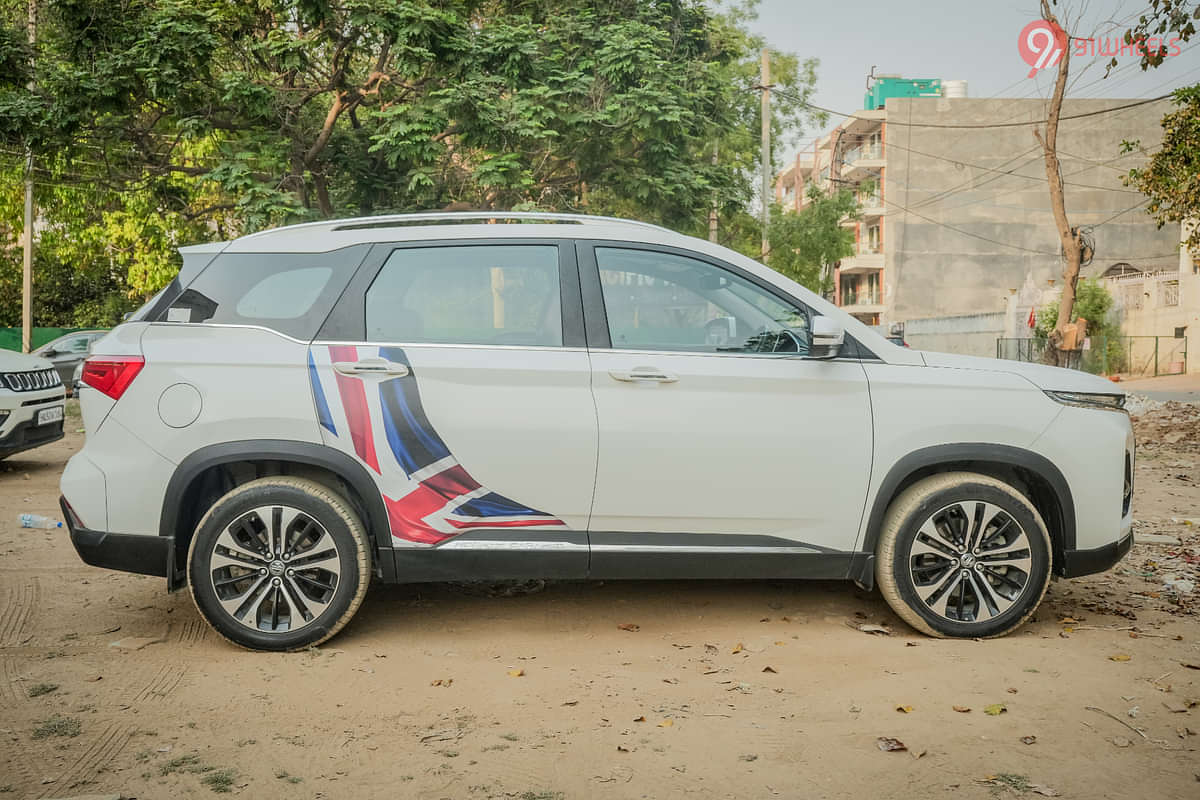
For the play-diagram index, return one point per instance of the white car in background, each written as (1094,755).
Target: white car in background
(31,403)
(438,397)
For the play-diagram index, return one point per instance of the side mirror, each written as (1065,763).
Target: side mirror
(827,338)
(128,315)
(49,352)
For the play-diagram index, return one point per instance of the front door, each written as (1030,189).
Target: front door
(468,400)
(716,434)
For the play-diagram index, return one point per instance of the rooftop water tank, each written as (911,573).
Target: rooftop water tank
(954,88)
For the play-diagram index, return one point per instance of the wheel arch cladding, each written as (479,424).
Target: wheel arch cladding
(1033,474)
(208,472)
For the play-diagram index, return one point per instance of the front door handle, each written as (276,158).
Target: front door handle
(643,374)
(371,366)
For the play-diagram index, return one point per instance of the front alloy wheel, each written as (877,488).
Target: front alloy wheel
(963,555)
(279,564)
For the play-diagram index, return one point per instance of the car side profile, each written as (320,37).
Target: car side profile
(491,396)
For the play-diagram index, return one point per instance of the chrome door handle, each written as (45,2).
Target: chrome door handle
(643,374)
(371,366)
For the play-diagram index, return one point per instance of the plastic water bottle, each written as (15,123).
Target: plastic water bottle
(37,521)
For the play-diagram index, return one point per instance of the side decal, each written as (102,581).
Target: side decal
(429,496)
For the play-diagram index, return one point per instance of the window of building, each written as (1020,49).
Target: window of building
(1181,333)
(482,294)
(1169,293)
(660,301)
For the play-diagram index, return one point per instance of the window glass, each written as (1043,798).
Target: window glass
(482,294)
(288,292)
(660,301)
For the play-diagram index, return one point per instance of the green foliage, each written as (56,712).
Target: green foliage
(156,123)
(1164,19)
(1172,177)
(1093,302)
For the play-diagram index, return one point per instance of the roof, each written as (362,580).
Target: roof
(337,233)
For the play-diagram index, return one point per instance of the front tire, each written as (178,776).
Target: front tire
(279,564)
(963,555)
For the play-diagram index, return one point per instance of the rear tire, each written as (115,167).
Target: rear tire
(963,555)
(279,564)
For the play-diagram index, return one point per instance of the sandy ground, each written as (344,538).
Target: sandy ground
(747,690)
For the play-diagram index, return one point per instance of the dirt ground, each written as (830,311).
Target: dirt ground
(723,690)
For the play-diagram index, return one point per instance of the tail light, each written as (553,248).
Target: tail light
(111,374)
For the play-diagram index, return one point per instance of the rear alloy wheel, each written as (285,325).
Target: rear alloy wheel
(279,564)
(963,555)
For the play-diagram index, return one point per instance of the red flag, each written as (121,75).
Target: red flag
(1032,318)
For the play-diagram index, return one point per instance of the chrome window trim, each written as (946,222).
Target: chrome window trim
(455,346)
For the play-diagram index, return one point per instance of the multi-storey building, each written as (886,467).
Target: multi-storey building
(954,212)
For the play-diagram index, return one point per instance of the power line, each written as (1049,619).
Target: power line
(796,99)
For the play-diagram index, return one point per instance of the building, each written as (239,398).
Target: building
(1164,305)
(954,209)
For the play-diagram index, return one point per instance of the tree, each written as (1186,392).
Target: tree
(1071,238)
(1162,18)
(1093,303)
(205,119)
(1171,178)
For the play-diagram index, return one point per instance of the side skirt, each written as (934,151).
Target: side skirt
(505,555)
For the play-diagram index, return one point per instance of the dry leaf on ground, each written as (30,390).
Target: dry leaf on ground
(630,626)
(737,648)
(1028,739)
(1119,657)
(878,630)
(666,723)
(516,673)
(995,709)
(889,745)
(961,709)
(769,669)
(904,709)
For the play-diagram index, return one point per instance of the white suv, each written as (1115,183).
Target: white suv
(31,403)
(453,397)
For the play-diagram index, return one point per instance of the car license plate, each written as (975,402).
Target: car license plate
(48,415)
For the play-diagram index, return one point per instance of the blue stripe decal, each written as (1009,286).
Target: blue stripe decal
(323,415)
(494,505)
(389,392)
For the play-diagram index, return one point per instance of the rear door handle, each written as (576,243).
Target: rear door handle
(371,366)
(643,374)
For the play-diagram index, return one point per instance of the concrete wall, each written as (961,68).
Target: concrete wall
(970,334)
(935,271)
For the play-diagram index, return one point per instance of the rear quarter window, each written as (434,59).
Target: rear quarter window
(291,293)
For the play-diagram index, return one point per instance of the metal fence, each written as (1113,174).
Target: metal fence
(1133,356)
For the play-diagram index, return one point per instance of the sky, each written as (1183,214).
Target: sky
(971,40)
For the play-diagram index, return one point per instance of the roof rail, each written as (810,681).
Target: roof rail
(386,220)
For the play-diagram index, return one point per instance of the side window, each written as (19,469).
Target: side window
(79,344)
(288,292)
(480,294)
(660,301)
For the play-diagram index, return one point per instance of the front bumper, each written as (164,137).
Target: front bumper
(25,435)
(145,555)
(1088,562)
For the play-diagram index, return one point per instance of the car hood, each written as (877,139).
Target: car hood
(21,362)
(1040,375)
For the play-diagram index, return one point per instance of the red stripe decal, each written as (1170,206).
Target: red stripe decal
(354,401)
(513,523)
(406,516)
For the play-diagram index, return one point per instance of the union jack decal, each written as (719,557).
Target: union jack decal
(429,496)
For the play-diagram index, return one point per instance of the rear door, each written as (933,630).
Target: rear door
(718,439)
(457,373)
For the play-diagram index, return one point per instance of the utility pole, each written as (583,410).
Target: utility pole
(27,263)
(712,213)
(766,151)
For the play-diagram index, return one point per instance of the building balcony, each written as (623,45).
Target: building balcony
(864,122)
(866,165)
(861,263)
(863,308)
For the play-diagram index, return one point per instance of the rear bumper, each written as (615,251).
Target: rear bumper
(1088,562)
(145,555)
(26,436)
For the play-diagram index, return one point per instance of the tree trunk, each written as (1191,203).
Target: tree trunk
(1068,237)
